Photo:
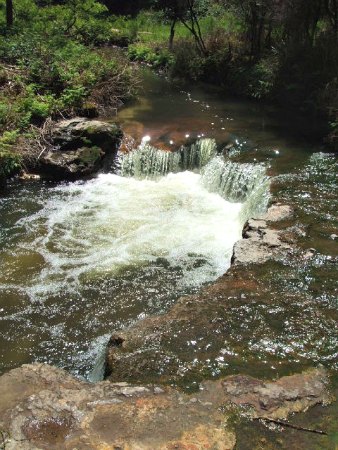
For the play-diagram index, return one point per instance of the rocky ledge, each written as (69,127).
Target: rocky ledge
(43,407)
(78,147)
(260,241)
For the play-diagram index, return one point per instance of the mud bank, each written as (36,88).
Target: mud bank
(43,407)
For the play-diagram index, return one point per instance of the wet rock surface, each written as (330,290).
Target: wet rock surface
(277,400)
(43,407)
(260,241)
(249,321)
(79,147)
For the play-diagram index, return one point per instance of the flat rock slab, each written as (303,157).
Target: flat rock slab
(278,399)
(43,407)
(278,212)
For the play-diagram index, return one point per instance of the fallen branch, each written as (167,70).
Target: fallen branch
(290,425)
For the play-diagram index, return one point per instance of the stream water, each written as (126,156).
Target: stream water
(80,260)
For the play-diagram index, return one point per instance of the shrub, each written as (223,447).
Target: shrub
(10,162)
(158,57)
(188,63)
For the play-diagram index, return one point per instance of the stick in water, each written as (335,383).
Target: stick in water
(295,427)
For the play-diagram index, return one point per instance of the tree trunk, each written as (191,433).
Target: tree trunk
(172,34)
(9,13)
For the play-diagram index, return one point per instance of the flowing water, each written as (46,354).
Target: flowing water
(81,260)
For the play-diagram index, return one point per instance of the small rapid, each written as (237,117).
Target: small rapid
(93,256)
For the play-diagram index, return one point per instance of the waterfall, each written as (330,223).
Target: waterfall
(235,182)
(238,182)
(198,154)
(149,162)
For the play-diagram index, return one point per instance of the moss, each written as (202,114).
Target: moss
(86,141)
(90,155)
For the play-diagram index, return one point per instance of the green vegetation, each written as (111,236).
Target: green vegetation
(271,50)
(58,58)
(53,64)
(10,162)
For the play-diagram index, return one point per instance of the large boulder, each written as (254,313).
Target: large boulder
(79,147)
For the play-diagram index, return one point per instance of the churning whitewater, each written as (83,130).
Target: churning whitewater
(110,223)
(102,226)
(105,252)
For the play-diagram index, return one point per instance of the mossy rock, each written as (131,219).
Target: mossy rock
(80,147)
(70,134)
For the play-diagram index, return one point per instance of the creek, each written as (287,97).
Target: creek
(81,260)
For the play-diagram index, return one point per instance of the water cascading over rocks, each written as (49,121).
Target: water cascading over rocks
(122,246)
(148,161)
(235,182)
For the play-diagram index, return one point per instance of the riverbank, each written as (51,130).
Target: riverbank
(44,407)
(60,61)
(53,66)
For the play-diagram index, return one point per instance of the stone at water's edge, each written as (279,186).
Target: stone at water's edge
(261,242)
(43,407)
(79,147)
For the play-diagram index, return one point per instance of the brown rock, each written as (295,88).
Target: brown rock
(278,399)
(43,407)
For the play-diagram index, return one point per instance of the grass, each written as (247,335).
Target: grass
(149,27)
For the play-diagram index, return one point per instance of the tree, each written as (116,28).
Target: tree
(186,12)
(9,13)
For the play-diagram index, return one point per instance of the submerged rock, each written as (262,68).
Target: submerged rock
(44,407)
(79,147)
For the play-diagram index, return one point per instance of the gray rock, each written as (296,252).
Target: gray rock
(79,147)
(259,244)
(277,212)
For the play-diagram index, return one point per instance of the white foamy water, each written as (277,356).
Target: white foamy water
(110,223)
